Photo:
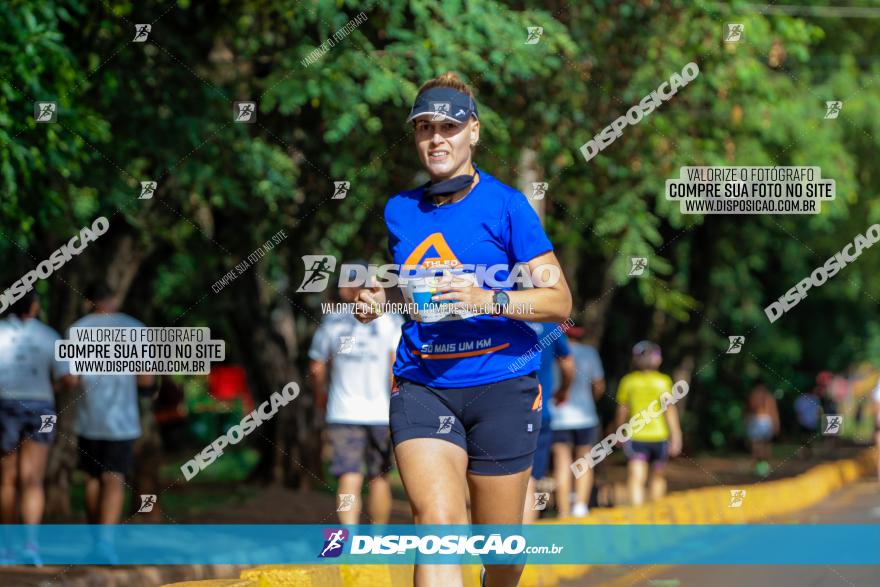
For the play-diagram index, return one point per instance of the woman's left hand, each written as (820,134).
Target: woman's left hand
(468,298)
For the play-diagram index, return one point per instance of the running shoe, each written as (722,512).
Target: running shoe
(762,469)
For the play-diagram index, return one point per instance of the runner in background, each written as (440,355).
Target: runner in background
(661,436)
(762,424)
(356,359)
(553,350)
(576,426)
(107,425)
(27,418)
(808,411)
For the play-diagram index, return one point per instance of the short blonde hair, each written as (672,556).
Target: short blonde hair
(450,79)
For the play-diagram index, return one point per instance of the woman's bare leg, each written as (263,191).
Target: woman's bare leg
(433,474)
(583,486)
(637,470)
(498,499)
(32,470)
(530,514)
(8,486)
(658,483)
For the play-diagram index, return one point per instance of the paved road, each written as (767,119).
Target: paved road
(855,504)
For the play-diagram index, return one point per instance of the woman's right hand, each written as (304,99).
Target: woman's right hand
(368,304)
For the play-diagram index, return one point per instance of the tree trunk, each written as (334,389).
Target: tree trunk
(269,367)
(596,310)
(529,173)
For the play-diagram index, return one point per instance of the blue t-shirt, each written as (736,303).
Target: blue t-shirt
(553,344)
(494,224)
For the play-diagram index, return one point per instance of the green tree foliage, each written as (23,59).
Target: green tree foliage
(162,110)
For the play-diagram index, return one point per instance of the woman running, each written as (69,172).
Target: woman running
(660,438)
(28,373)
(466,404)
(762,424)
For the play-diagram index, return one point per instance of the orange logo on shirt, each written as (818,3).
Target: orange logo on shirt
(433,244)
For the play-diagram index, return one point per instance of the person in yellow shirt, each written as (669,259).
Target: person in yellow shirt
(660,438)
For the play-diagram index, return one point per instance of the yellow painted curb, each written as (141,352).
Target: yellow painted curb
(295,576)
(376,575)
(214,583)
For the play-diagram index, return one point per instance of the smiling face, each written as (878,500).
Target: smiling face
(445,147)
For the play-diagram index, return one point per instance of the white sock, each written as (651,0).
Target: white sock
(580,510)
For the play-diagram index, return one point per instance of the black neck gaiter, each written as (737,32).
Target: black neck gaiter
(450,186)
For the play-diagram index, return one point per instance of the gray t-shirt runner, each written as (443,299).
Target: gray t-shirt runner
(27,360)
(108,406)
(580,409)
